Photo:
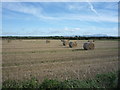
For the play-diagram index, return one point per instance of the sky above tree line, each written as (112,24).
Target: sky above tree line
(59,18)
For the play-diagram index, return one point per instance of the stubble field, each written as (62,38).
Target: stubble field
(23,59)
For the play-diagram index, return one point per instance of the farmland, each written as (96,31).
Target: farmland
(23,59)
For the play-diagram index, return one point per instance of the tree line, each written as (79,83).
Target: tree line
(60,37)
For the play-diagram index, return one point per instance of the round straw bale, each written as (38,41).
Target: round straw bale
(88,46)
(91,46)
(75,44)
(9,40)
(72,44)
(65,43)
(62,40)
(85,46)
(47,41)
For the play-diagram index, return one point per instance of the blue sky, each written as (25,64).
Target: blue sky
(59,18)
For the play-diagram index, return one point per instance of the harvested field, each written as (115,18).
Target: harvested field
(22,59)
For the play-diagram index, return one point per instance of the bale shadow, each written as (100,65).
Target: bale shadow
(78,50)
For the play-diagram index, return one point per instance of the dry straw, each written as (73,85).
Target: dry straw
(65,42)
(61,40)
(89,46)
(73,44)
(47,41)
(8,40)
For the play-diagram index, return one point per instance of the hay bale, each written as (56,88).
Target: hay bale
(47,41)
(65,42)
(61,40)
(89,46)
(72,44)
(9,40)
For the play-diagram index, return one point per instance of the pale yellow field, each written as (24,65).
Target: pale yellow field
(22,59)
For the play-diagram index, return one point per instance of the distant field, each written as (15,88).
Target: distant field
(22,59)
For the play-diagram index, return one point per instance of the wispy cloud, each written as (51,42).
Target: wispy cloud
(59,18)
(27,9)
(23,8)
(92,8)
(38,11)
